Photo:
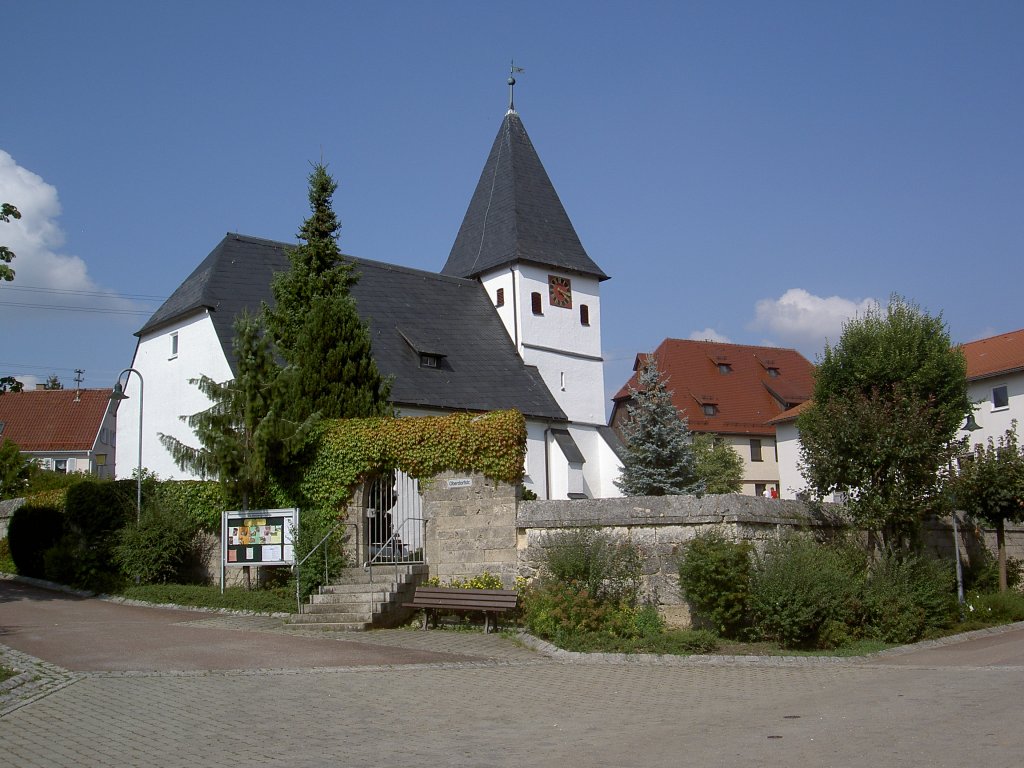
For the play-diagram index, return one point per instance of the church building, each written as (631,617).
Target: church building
(512,321)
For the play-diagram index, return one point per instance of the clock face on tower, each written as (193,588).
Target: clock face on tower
(560,291)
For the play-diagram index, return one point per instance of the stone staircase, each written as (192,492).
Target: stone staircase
(355,603)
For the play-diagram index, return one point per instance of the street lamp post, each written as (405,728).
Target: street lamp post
(116,396)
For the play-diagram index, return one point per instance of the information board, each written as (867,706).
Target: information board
(259,537)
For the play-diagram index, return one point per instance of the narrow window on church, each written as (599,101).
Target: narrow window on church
(499,300)
(584,314)
(535,300)
(174,344)
(563,381)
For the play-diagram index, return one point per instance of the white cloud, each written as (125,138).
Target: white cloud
(710,334)
(803,320)
(36,240)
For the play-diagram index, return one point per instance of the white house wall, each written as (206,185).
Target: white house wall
(787,441)
(995,421)
(167,393)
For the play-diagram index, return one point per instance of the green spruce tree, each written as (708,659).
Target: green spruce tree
(243,429)
(659,448)
(329,369)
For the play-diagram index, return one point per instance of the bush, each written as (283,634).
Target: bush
(606,569)
(982,574)
(994,607)
(313,526)
(33,530)
(907,598)
(6,563)
(159,547)
(804,594)
(559,611)
(714,576)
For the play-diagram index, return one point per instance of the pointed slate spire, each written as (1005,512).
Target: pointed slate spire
(515,214)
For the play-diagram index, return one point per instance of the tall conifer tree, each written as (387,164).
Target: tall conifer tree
(659,448)
(315,325)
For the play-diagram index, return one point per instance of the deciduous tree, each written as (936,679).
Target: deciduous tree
(719,467)
(888,400)
(7,212)
(990,486)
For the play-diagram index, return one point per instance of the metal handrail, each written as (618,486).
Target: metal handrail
(298,565)
(389,546)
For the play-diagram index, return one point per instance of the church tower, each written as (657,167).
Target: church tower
(518,241)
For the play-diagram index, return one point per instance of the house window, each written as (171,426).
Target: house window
(724,368)
(773,372)
(60,465)
(174,344)
(535,301)
(428,361)
(584,314)
(1000,398)
(759,489)
(499,300)
(755,450)
(710,409)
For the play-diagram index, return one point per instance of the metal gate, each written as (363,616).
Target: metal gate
(394,519)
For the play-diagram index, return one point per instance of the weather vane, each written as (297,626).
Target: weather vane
(512,84)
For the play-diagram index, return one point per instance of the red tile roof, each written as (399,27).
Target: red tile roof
(53,420)
(746,398)
(995,355)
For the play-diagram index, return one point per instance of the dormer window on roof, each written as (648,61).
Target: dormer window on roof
(430,355)
(724,368)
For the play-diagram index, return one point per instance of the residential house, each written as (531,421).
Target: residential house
(995,384)
(732,391)
(64,430)
(511,322)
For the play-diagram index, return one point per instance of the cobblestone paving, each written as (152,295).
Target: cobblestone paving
(548,713)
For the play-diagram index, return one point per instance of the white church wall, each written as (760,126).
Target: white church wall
(602,466)
(167,393)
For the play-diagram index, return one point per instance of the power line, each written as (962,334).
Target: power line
(94,310)
(79,292)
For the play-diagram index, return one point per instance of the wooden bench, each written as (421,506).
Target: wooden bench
(445,599)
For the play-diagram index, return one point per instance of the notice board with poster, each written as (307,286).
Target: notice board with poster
(258,537)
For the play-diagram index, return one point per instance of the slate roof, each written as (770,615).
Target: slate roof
(515,214)
(43,420)
(746,399)
(408,311)
(995,356)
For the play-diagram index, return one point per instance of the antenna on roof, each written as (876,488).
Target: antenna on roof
(79,378)
(512,84)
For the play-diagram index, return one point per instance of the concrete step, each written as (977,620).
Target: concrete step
(339,626)
(331,617)
(356,589)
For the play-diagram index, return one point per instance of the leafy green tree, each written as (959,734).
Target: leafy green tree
(888,401)
(719,467)
(52,383)
(990,486)
(7,212)
(659,457)
(315,326)
(10,384)
(15,470)
(243,427)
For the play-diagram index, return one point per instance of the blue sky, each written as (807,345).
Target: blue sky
(746,171)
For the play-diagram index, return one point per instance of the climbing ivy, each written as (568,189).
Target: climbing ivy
(347,450)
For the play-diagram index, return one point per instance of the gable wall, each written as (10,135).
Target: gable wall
(994,422)
(167,393)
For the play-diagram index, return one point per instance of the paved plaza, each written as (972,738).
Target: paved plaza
(100,688)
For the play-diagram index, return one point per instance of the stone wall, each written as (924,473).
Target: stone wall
(660,527)
(470,527)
